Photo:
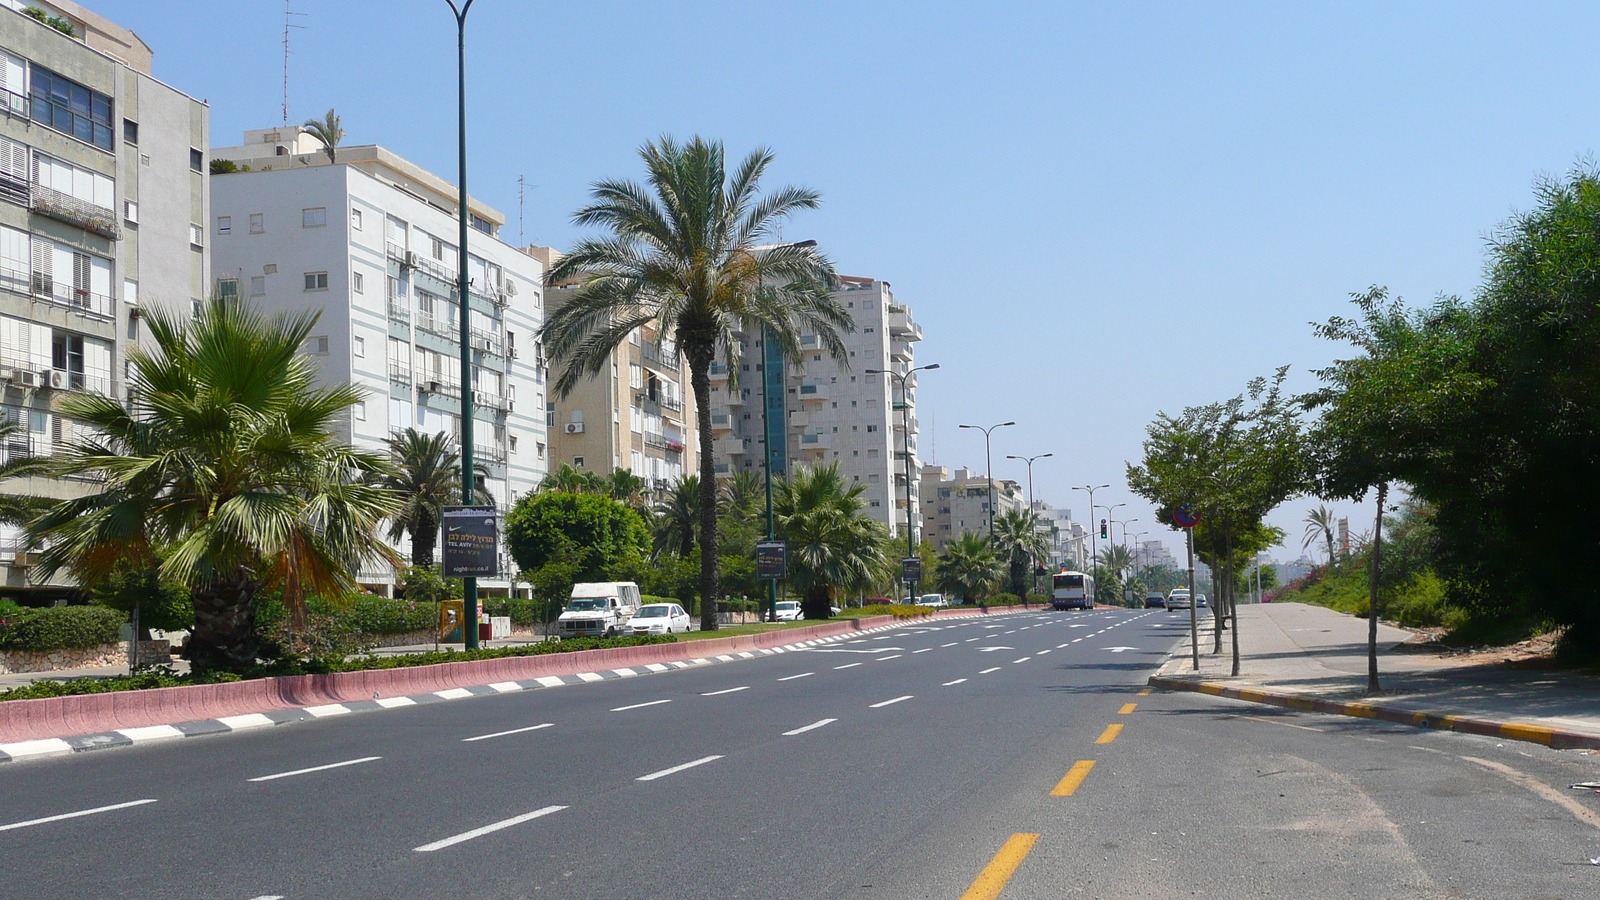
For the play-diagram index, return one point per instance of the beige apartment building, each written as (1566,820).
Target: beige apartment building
(955,503)
(637,415)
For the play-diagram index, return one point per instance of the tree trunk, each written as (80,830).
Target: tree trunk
(1233,618)
(1372,597)
(700,380)
(224,636)
(1223,590)
(423,539)
(815,603)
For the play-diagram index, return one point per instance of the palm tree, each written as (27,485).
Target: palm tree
(1018,542)
(741,495)
(426,475)
(1319,524)
(328,131)
(225,461)
(625,487)
(567,480)
(686,255)
(968,567)
(832,544)
(18,509)
(677,516)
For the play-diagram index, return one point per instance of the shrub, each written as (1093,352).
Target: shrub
(521,612)
(1005,600)
(60,628)
(898,610)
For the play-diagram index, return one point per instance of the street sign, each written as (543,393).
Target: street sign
(772,560)
(1184,516)
(911,569)
(471,542)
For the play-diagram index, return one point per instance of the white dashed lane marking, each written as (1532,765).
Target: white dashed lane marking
(485,737)
(488,829)
(806,728)
(679,768)
(337,765)
(74,815)
(640,705)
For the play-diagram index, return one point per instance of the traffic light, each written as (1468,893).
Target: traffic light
(1103,529)
(1040,571)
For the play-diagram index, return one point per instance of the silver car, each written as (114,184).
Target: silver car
(1179,599)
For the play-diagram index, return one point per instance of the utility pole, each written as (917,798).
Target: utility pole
(469,484)
(1094,545)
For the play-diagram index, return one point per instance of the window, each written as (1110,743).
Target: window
(74,181)
(130,212)
(355,220)
(258,286)
(258,223)
(358,283)
(224,224)
(197,160)
(358,347)
(577,462)
(316,281)
(197,235)
(315,217)
(872,428)
(317,344)
(144,159)
(130,131)
(228,287)
(71,108)
(361,410)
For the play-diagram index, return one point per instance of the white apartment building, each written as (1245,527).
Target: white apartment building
(831,411)
(370,243)
(103,192)
(956,503)
(1069,541)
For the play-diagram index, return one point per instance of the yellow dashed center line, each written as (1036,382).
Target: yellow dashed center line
(1145,692)
(1109,735)
(1126,708)
(1074,777)
(994,877)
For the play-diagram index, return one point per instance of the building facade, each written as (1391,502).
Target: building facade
(957,503)
(831,410)
(103,196)
(637,415)
(1068,541)
(370,244)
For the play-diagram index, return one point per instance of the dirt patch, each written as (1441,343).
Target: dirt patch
(1537,652)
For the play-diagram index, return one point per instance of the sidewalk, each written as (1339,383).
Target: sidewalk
(1292,654)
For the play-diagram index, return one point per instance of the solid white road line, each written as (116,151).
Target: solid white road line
(957,681)
(887,702)
(337,765)
(728,691)
(793,677)
(676,769)
(987,671)
(485,737)
(809,727)
(488,829)
(640,705)
(74,815)
(847,666)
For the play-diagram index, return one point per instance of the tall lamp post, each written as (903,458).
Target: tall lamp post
(469,492)
(1109,510)
(988,466)
(1029,460)
(1094,546)
(905,415)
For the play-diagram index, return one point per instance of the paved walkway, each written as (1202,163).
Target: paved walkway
(1295,648)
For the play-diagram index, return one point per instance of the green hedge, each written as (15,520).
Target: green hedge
(898,610)
(522,612)
(379,615)
(59,628)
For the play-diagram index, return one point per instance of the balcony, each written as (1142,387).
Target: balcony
(900,325)
(725,446)
(396,252)
(399,373)
(45,289)
(900,351)
(654,358)
(434,325)
(491,452)
(488,342)
(814,441)
(487,400)
(399,311)
(436,383)
(719,371)
(721,422)
(67,208)
(812,390)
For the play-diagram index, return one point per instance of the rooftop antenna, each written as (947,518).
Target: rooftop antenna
(521,183)
(933,439)
(287,24)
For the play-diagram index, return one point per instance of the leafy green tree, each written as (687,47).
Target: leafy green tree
(969,567)
(425,584)
(600,536)
(833,545)
(224,459)
(329,131)
(163,603)
(1018,542)
(692,254)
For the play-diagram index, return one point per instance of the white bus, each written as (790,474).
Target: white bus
(1072,590)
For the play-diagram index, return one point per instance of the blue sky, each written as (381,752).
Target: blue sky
(1097,211)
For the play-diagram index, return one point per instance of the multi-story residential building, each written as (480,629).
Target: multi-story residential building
(956,503)
(370,244)
(831,410)
(638,415)
(104,189)
(1068,541)
(1155,553)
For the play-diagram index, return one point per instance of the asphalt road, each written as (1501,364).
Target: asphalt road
(914,763)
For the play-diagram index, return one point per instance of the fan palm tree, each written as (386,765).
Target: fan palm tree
(968,567)
(328,131)
(426,475)
(1319,525)
(832,544)
(677,516)
(1116,559)
(225,460)
(687,254)
(1018,542)
(567,480)
(625,487)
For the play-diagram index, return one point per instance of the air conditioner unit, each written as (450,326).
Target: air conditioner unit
(25,378)
(484,344)
(575,428)
(24,559)
(58,379)
(411,259)
(511,405)
(433,387)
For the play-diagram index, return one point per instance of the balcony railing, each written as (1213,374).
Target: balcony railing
(434,325)
(399,373)
(487,400)
(67,208)
(399,310)
(42,287)
(655,441)
(436,383)
(395,251)
(654,358)
(488,342)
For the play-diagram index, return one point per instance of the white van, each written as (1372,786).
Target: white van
(598,609)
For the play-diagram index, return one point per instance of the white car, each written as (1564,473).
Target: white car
(1178,599)
(934,600)
(659,618)
(789,611)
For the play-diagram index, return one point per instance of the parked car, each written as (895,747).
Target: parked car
(1155,600)
(934,600)
(598,609)
(789,611)
(1200,600)
(1179,599)
(659,618)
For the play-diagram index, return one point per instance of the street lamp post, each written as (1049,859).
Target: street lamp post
(905,415)
(988,466)
(1109,510)
(1033,563)
(1094,545)
(469,493)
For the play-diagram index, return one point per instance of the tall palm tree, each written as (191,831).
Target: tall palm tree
(625,487)
(677,516)
(328,131)
(968,567)
(1116,559)
(426,475)
(18,509)
(742,495)
(832,544)
(1319,524)
(567,480)
(687,254)
(1018,542)
(225,460)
